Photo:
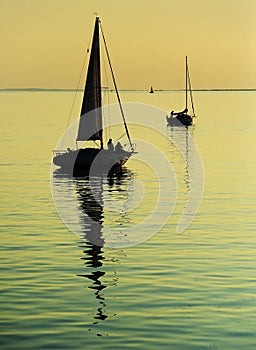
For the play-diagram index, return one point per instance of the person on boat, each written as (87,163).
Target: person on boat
(110,145)
(118,147)
(179,113)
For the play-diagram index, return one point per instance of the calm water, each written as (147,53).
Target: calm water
(182,291)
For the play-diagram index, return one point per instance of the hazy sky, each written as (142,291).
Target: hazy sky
(43,42)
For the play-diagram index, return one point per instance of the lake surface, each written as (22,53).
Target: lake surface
(148,285)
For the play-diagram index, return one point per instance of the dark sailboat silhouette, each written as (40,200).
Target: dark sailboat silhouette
(183,118)
(151,91)
(90,124)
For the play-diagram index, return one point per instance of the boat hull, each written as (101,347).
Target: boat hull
(91,160)
(180,120)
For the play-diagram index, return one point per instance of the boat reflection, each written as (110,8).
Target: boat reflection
(90,194)
(190,176)
(90,199)
(179,137)
(93,254)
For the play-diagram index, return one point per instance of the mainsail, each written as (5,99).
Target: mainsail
(90,126)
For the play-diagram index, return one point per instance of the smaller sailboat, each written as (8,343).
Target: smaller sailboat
(91,122)
(151,91)
(184,117)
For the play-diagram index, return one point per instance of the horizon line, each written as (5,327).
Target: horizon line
(34,89)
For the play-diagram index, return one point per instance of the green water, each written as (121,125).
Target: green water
(189,290)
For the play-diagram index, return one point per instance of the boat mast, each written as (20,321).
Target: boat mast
(190,89)
(115,84)
(186,82)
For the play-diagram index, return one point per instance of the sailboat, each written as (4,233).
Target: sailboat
(91,124)
(183,118)
(151,91)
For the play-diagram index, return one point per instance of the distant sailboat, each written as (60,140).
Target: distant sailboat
(90,124)
(151,91)
(183,118)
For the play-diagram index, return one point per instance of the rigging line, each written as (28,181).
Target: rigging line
(120,137)
(109,128)
(76,92)
(117,94)
(96,143)
(106,96)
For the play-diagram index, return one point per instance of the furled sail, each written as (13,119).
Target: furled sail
(90,126)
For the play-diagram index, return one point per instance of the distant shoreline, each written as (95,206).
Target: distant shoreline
(138,90)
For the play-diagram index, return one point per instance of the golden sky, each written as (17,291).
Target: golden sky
(43,42)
